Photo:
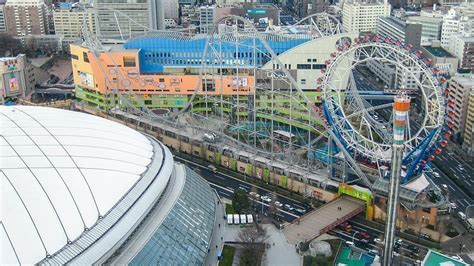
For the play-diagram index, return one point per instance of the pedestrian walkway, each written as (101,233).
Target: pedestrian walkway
(217,242)
(323,219)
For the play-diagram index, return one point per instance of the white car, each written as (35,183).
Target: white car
(378,240)
(254,195)
(373,252)
(436,174)
(278,204)
(445,187)
(266,199)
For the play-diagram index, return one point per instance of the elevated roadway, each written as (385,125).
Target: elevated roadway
(320,221)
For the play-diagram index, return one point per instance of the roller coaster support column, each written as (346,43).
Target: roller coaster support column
(401,107)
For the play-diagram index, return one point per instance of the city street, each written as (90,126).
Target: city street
(225,186)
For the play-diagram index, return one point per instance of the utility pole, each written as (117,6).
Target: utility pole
(401,107)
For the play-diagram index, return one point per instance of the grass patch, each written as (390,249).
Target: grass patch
(227,256)
(229,209)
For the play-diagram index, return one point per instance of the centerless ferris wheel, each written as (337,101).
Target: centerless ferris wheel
(359,116)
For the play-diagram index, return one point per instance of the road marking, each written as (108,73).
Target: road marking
(242,181)
(227,189)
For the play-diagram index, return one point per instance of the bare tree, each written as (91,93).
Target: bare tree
(273,209)
(252,241)
(253,196)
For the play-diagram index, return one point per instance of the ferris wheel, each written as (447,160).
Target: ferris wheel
(362,125)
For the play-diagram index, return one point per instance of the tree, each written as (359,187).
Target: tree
(9,46)
(252,240)
(240,201)
(253,198)
(273,209)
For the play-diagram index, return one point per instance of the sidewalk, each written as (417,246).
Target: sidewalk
(217,241)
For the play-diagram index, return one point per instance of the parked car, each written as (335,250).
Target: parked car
(288,207)
(378,240)
(278,204)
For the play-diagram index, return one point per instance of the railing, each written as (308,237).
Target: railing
(341,220)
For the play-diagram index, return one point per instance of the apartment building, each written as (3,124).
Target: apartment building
(26,17)
(358,16)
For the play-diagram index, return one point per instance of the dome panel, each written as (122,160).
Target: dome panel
(66,167)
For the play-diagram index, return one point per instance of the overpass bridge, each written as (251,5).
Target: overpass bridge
(321,220)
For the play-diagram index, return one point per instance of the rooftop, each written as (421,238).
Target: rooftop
(436,258)
(438,51)
(395,21)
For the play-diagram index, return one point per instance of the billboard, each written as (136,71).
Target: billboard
(12,83)
(86,79)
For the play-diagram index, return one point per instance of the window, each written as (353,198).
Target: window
(148,102)
(75,57)
(129,61)
(303,66)
(318,66)
(303,82)
(84,57)
(315,60)
(308,60)
(162,80)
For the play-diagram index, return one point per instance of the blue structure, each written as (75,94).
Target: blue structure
(156,52)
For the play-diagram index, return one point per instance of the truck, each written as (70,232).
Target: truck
(243,219)
(236,219)
(230,219)
(249,218)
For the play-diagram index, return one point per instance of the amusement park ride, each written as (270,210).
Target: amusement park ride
(270,115)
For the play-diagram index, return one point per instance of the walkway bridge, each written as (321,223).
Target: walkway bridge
(320,221)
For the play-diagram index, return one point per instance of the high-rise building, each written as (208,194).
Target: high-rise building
(26,17)
(396,29)
(460,87)
(69,20)
(122,19)
(358,16)
(463,48)
(468,141)
(3,26)
(156,14)
(207,16)
(431,26)
(170,9)
(453,24)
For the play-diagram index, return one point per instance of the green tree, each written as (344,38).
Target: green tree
(240,201)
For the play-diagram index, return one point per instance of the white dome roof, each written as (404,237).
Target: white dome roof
(60,170)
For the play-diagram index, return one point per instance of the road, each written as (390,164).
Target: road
(225,186)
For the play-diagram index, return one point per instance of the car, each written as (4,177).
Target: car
(413,248)
(365,235)
(373,252)
(254,195)
(461,168)
(378,240)
(399,241)
(300,211)
(350,243)
(396,254)
(456,257)
(445,187)
(266,199)
(278,204)
(453,205)
(288,207)
(436,174)
(243,189)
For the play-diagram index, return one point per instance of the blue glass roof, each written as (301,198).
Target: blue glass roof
(156,52)
(184,236)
